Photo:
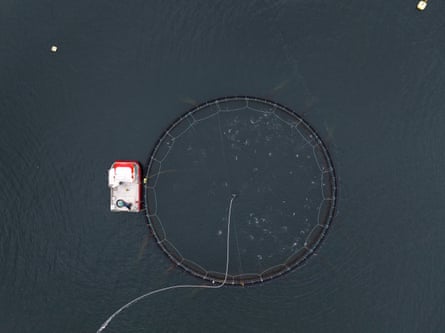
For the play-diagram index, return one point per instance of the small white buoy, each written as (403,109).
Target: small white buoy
(54,48)
(421,5)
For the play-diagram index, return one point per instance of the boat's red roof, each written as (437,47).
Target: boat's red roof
(134,165)
(125,164)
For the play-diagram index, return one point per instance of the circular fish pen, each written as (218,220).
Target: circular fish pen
(270,158)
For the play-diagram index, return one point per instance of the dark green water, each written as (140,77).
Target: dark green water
(369,77)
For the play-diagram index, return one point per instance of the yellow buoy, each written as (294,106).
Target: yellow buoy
(54,48)
(421,5)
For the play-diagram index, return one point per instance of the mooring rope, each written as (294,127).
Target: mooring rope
(157,291)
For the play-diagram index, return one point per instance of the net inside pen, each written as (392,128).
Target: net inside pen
(271,158)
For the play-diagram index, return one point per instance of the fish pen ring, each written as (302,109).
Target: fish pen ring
(271,159)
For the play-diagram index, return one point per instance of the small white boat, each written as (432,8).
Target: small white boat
(124,181)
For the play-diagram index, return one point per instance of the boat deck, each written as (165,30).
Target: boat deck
(124,181)
(129,193)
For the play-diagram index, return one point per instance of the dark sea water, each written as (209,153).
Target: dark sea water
(369,76)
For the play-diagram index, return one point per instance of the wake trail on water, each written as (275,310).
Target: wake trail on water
(157,291)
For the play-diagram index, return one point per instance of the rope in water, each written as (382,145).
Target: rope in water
(229,214)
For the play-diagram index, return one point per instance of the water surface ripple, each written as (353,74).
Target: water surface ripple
(369,77)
